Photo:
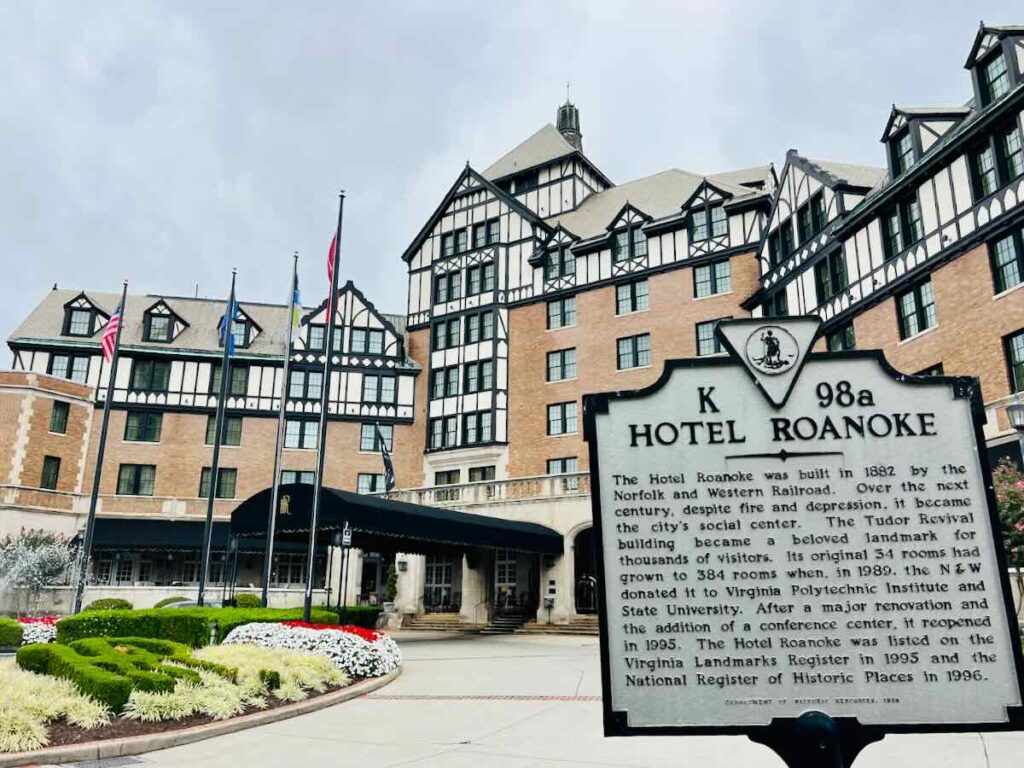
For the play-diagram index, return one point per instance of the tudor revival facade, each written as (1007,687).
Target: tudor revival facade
(535,280)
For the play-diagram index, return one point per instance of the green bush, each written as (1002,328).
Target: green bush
(271,679)
(248,600)
(190,626)
(169,600)
(360,616)
(10,633)
(108,604)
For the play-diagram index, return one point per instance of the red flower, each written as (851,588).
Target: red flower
(369,635)
(50,620)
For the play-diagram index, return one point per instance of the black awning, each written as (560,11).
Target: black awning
(120,533)
(382,524)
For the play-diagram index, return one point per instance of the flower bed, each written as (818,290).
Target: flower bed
(356,651)
(38,629)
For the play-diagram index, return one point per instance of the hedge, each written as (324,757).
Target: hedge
(190,626)
(169,600)
(360,615)
(248,600)
(10,633)
(109,669)
(108,604)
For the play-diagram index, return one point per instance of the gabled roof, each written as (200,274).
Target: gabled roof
(660,195)
(455,190)
(758,177)
(1000,32)
(545,146)
(949,111)
(835,174)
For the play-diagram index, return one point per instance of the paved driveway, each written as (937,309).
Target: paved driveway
(520,701)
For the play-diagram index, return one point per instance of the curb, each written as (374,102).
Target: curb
(151,742)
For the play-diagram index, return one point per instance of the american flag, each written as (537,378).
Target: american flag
(109,340)
(332,260)
(385,455)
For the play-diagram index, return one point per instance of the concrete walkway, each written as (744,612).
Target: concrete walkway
(520,701)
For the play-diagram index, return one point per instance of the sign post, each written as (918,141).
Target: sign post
(800,547)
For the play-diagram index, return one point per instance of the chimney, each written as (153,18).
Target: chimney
(569,124)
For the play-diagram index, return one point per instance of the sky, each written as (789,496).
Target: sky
(164,143)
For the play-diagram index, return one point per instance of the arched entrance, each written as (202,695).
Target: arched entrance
(585,571)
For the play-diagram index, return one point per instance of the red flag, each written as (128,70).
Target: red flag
(332,259)
(110,335)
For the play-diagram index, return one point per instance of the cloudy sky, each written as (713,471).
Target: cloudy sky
(167,142)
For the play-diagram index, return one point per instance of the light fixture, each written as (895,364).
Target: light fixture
(1015,413)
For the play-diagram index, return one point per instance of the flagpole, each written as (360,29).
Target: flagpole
(90,520)
(268,553)
(318,480)
(222,396)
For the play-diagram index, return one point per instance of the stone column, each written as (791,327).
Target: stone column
(409,599)
(556,580)
(476,602)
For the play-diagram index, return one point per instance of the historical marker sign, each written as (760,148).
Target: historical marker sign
(781,531)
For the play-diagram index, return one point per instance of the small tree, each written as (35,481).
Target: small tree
(391,585)
(30,561)
(1009,487)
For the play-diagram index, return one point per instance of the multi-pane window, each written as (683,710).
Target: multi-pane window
(232,430)
(454,242)
(72,367)
(707,342)
(916,309)
(366,341)
(562,418)
(136,479)
(51,473)
(444,382)
(777,305)
(482,474)
(841,339)
(830,275)
(1015,360)
(300,434)
(317,334)
(143,426)
(158,328)
(447,287)
(305,385)
(480,327)
(902,153)
(562,364)
(378,389)
(446,334)
(630,243)
(634,351)
(297,476)
(1008,261)
(227,480)
(370,436)
(780,243)
(369,482)
(559,263)
(562,313)
(902,226)
(485,233)
(59,417)
(240,333)
(239,383)
(632,297)
(151,375)
(444,432)
(712,278)
(565,466)
(810,217)
(708,222)
(80,322)
(480,279)
(479,376)
(997,160)
(994,78)
(477,428)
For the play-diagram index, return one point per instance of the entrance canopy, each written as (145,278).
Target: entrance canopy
(134,534)
(382,524)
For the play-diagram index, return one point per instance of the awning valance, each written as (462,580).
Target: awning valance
(120,533)
(383,524)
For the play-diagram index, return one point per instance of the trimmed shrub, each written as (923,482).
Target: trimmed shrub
(359,615)
(190,626)
(108,604)
(169,600)
(248,600)
(10,633)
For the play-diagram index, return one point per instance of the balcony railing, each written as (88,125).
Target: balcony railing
(496,491)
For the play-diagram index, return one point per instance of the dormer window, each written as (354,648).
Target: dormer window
(158,328)
(240,332)
(902,151)
(81,322)
(630,243)
(707,223)
(810,217)
(559,263)
(367,341)
(997,159)
(993,77)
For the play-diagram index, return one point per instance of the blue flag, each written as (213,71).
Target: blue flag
(227,336)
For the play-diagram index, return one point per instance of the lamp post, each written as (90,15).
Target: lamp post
(1015,413)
